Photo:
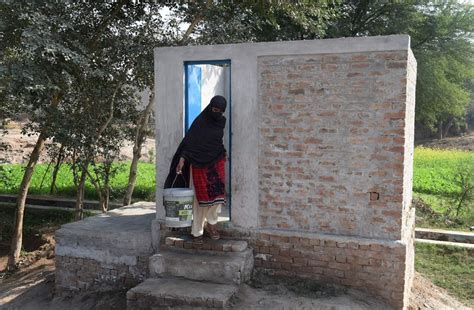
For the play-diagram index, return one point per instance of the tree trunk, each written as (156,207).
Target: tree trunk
(104,200)
(103,192)
(17,237)
(140,138)
(59,159)
(440,130)
(79,213)
(447,127)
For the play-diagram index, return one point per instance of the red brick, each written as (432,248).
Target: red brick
(361,65)
(284,259)
(274,251)
(294,240)
(300,261)
(295,253)
(317,263)
(353,245)
(304,241)
(326,178)
(330,243)
(396,65)
(339,266)
(341,244)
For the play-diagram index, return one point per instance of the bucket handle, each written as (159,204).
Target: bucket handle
(185,183)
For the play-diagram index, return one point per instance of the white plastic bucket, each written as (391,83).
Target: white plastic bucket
(178,203)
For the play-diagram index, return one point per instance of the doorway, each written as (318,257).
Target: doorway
(202,81)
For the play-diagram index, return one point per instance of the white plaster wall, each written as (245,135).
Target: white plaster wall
(215,81)
(245,111)
(212,83)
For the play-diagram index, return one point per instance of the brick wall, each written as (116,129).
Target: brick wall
(332,142)
(375,266)
(369,265)
(335,170)
(82,274)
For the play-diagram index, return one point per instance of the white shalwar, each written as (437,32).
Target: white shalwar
(201,214)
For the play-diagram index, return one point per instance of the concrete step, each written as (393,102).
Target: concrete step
(222,245)
(165,293)
(217,267)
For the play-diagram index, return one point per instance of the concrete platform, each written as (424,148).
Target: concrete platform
(105,252)
(121,230)
(164,293)
(216,267)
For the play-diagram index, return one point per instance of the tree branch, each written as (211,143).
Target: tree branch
(197,19)
(105,21)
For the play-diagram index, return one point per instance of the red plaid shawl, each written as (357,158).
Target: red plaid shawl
(209,183)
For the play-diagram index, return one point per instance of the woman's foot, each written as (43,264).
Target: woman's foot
(213,233)
(198,240)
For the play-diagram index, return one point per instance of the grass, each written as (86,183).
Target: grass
(449,267)
(42,177)
(439,204)
(433,181)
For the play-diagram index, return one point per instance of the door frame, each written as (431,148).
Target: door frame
(229,106)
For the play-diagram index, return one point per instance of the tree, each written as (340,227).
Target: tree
(57,55)
(31,83)
(141,132)
(144,74)
(244,21)
(441,34)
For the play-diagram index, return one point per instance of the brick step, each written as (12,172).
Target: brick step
(217,267)
(222,245)
(165,293)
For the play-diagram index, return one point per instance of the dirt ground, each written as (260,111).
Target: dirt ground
(33,289)
(465,143)
(18,148)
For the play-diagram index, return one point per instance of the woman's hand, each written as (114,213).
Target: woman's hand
(179,168)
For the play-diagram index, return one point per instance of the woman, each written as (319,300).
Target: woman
(200,160)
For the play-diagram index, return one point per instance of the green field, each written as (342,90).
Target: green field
(449,267)
(41,181)
(434,177)
(434,170)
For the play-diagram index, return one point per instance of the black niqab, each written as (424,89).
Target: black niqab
(203,143)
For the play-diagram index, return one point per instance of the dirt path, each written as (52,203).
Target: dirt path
(33,289)
(465,143)
(19,147)
(426,295)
